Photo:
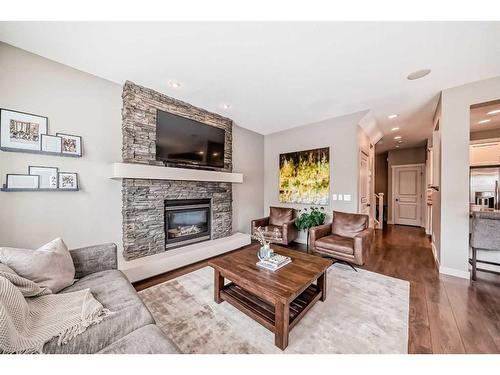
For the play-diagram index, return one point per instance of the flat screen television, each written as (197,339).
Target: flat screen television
(183,141)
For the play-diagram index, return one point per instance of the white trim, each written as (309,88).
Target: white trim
(390,222)
(422,189)
(153,172)
(434,252)
(485,141)
(454,272)
(143,268)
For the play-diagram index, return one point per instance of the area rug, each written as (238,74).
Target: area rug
(364,312)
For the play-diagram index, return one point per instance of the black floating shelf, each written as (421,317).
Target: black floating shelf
(19,190)
(9,149)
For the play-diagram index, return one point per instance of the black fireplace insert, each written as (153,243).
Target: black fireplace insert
(187,221)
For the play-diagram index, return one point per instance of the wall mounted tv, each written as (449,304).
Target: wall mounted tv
(183,141)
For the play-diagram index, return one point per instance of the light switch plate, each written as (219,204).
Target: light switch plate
(334,197)
(347,197)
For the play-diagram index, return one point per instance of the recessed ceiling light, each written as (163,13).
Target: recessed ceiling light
(418,74)
(392,116)
(484,121)
(226,106)
(397,146)
(400,141)
(494,112)
(174,84)
(395,128)
(398,137)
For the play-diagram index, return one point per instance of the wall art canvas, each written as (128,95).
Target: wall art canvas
(19,130)
(48,176)
(68,180)
(305,177)
(71,144)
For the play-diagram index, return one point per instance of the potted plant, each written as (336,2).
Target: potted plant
(310,218)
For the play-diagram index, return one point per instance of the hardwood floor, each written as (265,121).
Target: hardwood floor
(447,314)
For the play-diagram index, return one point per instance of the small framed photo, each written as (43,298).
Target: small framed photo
(48,176)
(68,180)
(22,131)
(22,181)
(51,143)
(71,144)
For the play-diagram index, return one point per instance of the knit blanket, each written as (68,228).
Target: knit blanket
(30,315)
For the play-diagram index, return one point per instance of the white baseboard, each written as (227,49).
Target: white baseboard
(454,272)
(142,268)
(434,252)
(390,222)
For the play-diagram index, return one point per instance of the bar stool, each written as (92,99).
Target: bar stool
(485,236)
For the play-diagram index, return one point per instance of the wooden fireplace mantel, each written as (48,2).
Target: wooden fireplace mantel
(153,172)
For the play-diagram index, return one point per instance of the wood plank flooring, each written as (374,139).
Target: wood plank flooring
(447,314)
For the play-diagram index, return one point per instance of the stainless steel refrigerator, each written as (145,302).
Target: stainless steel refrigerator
(484,186)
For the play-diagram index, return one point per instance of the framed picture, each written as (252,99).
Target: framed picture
(22,131)
(68,180)
(305,177)
(51,143)
(22,181)
(71,144)
(48,176)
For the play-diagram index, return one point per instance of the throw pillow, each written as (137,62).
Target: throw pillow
(50,266)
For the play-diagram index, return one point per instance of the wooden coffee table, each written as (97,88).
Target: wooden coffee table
(277,300)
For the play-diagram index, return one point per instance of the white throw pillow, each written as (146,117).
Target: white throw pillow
(50,266)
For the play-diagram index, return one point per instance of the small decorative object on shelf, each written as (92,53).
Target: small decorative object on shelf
(265,251)
(68,180)
(22,181)
(310,218)
(21,131)
(71,144)
(51,143)
(48,176)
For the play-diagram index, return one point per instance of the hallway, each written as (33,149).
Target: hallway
(447,314)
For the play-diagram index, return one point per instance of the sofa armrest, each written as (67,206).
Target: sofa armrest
(93,259)
(363,241)
(263,222)
(316,233)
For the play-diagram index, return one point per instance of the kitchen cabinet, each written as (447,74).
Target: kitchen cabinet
(485,154)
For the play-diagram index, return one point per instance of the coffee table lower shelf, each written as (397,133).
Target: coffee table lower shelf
(264,312)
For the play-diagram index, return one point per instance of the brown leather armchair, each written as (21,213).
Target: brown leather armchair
(281,221)
(348,238)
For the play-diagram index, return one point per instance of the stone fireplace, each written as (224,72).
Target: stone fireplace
(153,217)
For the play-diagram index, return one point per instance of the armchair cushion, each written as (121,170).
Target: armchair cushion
(344,245)
(281,215)
(269,231)
(348,225)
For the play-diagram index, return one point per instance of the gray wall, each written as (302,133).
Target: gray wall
(75,103)
(248,158)
(341,134)
(405,156)
(381,177)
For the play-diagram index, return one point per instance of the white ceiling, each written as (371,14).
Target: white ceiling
(280,75)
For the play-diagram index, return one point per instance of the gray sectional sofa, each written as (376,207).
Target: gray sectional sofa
(131,328)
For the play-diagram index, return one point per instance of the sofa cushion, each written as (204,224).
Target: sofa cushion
(50,266)
(344,245)
(280,215)
(112,289)
(145,340)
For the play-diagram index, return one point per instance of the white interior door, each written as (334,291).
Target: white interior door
(364,184)
(407,190)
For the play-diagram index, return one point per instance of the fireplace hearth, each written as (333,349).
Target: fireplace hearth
(187,221)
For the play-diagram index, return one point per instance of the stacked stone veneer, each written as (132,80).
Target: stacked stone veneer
(143,200)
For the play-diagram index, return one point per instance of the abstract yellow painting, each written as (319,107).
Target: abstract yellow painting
(305,176)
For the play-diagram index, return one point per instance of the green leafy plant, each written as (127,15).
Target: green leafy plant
(310,218)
